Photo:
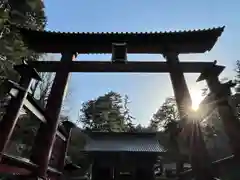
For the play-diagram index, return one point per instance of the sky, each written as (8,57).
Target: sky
(146,91)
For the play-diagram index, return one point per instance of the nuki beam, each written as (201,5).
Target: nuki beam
(131,67)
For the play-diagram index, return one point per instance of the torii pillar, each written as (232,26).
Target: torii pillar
(46,133)
(199,161)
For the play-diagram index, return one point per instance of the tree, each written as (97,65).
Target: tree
(25,13)
(77,143)
(236,97)
(165,115)
(215,137)
(214,131)
(142,129)
(237,79)
(167,119)
(41,89)
(106,113)
(126,114)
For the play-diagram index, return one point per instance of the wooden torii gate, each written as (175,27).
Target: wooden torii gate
(169,44)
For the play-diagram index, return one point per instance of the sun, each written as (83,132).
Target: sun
(196,99)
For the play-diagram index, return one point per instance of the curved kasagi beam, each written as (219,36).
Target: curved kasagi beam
(192,41)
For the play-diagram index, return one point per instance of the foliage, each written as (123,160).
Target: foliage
(236,97)
(216,140)
(126,114)
(166,115)
(24,13)
(167,120)
(77,143)
(215,137)
(237,79)
(107,113)
(140,128)
(41,89)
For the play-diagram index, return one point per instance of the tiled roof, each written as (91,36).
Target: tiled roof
(126,143)
(193,41)
(216,29)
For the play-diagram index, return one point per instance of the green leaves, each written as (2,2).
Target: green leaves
(106,113)
(18,17)
(165,115)
(13,49)
(33,4)
(27,13)
(4,16)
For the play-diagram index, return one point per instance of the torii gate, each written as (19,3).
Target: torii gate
(169,44)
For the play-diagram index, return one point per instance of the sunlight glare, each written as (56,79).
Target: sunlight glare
(196,99)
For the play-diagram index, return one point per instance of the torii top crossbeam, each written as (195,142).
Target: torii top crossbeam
(196,41)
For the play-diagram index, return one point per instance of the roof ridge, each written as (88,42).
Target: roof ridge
(138,42)
(221,28)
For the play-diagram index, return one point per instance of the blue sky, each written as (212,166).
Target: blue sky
(146,91)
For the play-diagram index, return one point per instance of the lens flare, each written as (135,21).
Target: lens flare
(197,97)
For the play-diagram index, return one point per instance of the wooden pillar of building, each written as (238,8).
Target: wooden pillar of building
(46,133)
(222,95)
(199,161)
(9,120)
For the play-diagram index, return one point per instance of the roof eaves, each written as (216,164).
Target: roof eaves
(218,29)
